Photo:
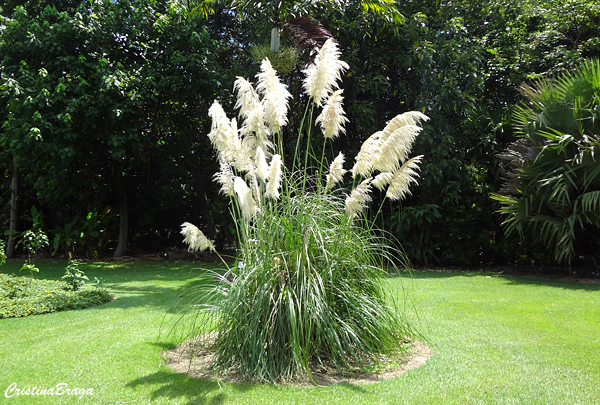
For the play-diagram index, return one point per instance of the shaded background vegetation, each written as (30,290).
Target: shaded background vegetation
(104,113)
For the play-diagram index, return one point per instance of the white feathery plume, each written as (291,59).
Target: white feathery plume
(386,150)
(251,110)
(224,134)
(245,154)
(247,97)
(275,96)
(382,180)
(195,238)
(403,178)
(336,171)
(358,198)
(396,142)
(219,120)
(395,148)
(217,114)
(245,199)
(250,145)
(407,118)
(274,178)
(225,178)
(332,118)
(322,76)
(262,168)
(368,153)
(255,190)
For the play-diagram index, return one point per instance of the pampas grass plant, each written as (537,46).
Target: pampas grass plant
(307,288)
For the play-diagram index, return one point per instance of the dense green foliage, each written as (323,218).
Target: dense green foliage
(106,102)
(461,63)
(24,296)
(317,301)
(100,100)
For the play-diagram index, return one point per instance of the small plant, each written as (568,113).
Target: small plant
(33,241)
(2,253)
(97,283)
(74,276)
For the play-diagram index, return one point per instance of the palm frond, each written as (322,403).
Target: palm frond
(201,8)
(385,8)
(553,173)
(307,34)
(590,206)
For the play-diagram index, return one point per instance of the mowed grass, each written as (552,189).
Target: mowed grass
(496,339)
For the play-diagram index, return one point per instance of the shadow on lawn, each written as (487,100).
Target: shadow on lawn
(182,295)
(159,285)
(172,386)
(558,281)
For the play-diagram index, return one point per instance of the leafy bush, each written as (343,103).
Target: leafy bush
(2,253)
(284,60)
(23,296)
(74,276)
(33,240)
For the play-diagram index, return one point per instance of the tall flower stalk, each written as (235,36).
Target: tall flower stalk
(307,289)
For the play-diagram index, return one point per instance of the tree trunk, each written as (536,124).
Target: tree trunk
(12,237)
(275,39)
(123,216)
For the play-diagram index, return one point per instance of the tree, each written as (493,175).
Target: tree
(95,91)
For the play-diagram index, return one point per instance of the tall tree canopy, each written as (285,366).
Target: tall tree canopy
(100,93)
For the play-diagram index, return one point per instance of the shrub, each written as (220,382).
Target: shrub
(23,296)
(2,253)
(307,288)
(74,276)
(33,240)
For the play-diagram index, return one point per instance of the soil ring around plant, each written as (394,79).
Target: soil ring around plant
(194,356)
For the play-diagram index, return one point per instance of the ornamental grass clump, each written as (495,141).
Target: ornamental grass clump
(306,292)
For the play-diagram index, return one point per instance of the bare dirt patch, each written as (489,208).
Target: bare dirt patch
(194,356)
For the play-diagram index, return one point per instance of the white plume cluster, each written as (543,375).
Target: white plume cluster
(251,173)
(274,182)
(332,118)
(195,238)
(247,150)
(275,96)
(336,172)
(387,152)
(322,76)
(358,198)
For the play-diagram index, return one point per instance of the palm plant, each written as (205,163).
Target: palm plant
(306,290)
(552,186)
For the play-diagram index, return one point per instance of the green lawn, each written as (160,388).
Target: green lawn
(496,339)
